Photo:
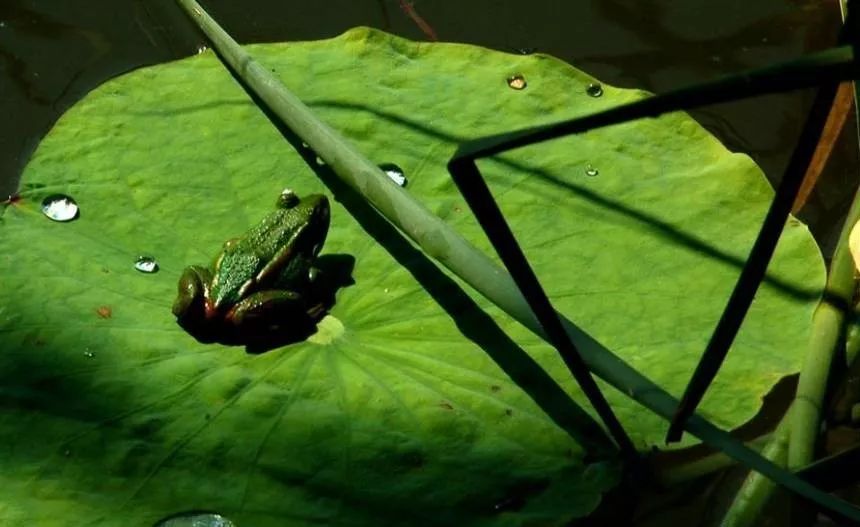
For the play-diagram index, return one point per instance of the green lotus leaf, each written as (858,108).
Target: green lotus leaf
(415,403)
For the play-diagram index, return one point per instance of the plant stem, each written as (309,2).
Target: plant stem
(757,489)
(677,474)
(828,327)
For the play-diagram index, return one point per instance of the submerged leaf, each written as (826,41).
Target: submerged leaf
(401,409)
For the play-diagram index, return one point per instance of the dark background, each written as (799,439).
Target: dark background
(52,52)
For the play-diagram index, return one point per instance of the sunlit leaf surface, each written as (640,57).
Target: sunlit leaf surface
(400,410)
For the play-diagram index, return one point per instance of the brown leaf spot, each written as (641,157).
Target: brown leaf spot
(104,311)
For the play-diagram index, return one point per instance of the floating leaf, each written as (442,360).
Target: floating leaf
(401,408)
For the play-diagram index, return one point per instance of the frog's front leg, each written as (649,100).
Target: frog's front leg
(274,309)
(193,288)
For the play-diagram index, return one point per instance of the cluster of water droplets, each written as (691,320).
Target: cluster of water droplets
(63,208)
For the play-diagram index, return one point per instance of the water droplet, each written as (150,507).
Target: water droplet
(2,23)
(594,89)
(146,264)
(60,207)
(394,172)
(591,171)
(196,519)
(202,48)
(526,51)
(313,274)
(320,161)
(517,82)
(89,354)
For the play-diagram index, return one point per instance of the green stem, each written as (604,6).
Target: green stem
(756,489)
(669,475)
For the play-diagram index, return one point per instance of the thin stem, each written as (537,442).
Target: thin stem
(756,266)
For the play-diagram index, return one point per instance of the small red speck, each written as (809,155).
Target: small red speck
(104,311)
(446,405)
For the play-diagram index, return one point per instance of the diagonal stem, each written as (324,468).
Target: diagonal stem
(493,222)
(756,266)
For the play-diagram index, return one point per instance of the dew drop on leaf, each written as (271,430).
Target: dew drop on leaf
(591,171)
(89,354)
(517,82)
(394,172)
(594,89)
(146,264)
(60,207)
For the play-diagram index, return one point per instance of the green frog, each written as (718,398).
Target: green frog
(258,282)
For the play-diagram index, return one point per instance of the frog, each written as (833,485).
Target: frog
(259,281)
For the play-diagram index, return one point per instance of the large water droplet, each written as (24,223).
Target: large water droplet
(594,89)
(517,82)
(395,173)
(60,207)
(591,171)
(196,519)
(146,264)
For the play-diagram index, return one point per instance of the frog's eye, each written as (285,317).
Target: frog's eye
(288,199)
